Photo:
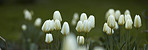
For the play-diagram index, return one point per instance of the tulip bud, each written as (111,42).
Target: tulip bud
(87,26)
(83,17)
(117,14)
(79,26)
(57,25)
(65,29)
(92,20)
(128,24)
(128,16)
(121,20)
(108,30)
(73,22)
(48,38)
(137,21)
(105,27)
(116,26)
(110,12)
(48,26)
(75,16)
(111,21)
(112,31)
(80,40)
(24,27)
(57,16)
(28,15)
(38,22)
(126,12)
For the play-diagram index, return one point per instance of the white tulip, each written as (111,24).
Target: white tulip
(48,26)
(48,38)
(73,22)
(87,26)
(24,27)
(75,16)
(57,25)
(80,40)
(105,27)
(57,16)
(121,20)
(128,16)
(27,15)
(112,31)
(126,12)
(108,30)
(83,17)
(117,14)
(111,21)
(99,48)
(116,26)
(137,21)
(69,42)
(65,29)
(128,24)
(92,20)
(38,22)
(110,12)
(79,26)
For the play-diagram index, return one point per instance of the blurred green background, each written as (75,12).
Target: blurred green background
(12,17)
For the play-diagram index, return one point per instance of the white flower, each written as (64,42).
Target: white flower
(80,40)
(83,17)
(116,26)
(75,16)
(110,12)
(112,31)
(108,30)
(48,26)
(27,15)
(121,20)
(65,29)
(57,25)
(111,21)
(92,20)
(87,26)
(73,22)
(38,22)
(117,14)
(99,48)
(48,38)
(105,27)
(128,24)
(137,21)
(24,27)
(126,12)
(128,16)
(57,15)
(79,26)
(69,43)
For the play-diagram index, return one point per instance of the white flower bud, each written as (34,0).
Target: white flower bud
(69,43)
(126,12)
(48,38)
(128,24)
(57,16)
(111,21)
(110,12)
(80,40)
(83,17)
(87,26)
(73,22)
(116,26)
(121,20)
(27,15)
(137,21)
(105,27)
(24,27)
(75,16)
(112,31)
(117,14)
(65,29)
(128,16)
(92,20)
(48,26)
(38,22)
(57,25)
(108,31)
(79,26)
